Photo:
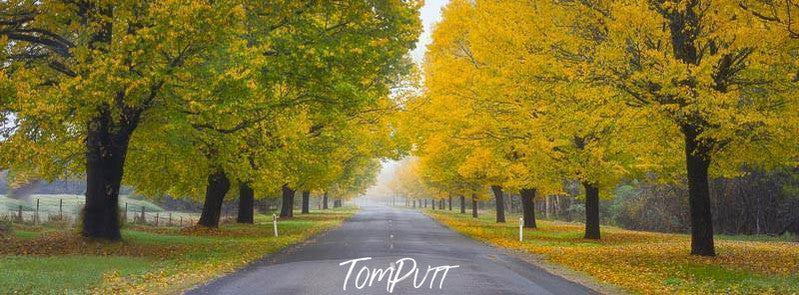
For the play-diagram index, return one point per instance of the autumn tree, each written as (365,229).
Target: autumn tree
(480,94)
(86,74)
(721,76)
(268,123)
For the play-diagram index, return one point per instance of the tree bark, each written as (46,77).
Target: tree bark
(463,204)
(336,203)
(697,162)
(686,48)
(499,202)
(591,211)
(106,148)
(215,191)
(474,205)
(414,204)
(287,205)
(324,201)
(246,204)
(528,207)
(450,203)
(306,200)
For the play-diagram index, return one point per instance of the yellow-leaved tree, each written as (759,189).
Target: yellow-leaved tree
(715,73)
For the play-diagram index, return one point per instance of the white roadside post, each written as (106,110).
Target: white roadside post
(274,223)
(521,229)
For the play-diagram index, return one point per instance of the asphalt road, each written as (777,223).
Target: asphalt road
(387,235)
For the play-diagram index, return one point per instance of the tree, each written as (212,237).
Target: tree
(86,74)
(287,88)
(474,91)
(719,76)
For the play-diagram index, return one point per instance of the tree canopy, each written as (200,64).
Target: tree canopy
(528,96)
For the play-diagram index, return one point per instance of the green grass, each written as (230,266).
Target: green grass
(720,278)
(155,260)
(63,274)
(760,238)
(148,238)
(26,234)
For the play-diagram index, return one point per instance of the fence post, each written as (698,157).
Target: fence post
(60,209)
(170,218)
(126,211)
(36,217)
(521,229)
(143,221)
(156,219)
(181,221)
(274,223)
(19,214)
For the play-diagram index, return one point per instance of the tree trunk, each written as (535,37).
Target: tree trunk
(336,203)
(546,207)
(591,211)
(287,205)
(306,200)
(215,191)
(463,204)
(414,204)
(528,207)
(246,204)
(474,205)
(324,201)
(450,203)
(697,162)
(106,148)
(499,202)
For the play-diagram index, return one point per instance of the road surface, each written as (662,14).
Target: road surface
(386,235)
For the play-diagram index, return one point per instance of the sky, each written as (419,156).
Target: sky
(430,14)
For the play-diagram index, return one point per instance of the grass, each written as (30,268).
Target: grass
(62,274)
(647,262)
(149,260)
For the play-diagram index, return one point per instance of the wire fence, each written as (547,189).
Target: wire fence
(62,213)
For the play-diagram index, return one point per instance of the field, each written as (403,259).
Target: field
(647,262)
(149,260)
(70,203)
(67,207)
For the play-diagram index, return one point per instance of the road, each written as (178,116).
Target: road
(387,235)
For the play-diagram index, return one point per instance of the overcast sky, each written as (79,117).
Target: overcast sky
(430,14)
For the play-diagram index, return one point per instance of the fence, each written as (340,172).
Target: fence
(61,213)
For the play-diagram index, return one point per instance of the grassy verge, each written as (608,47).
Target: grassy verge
(646,262)
(148,260)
